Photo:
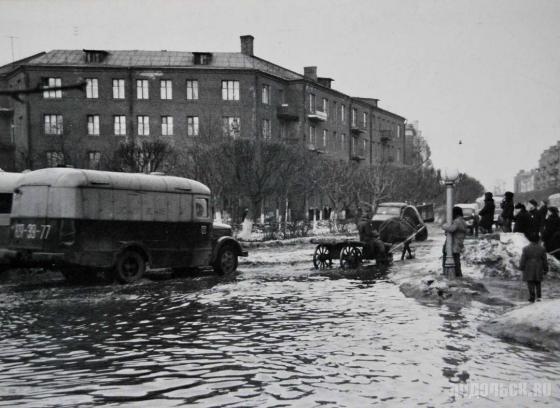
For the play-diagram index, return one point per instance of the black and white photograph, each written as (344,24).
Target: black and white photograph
(279,203)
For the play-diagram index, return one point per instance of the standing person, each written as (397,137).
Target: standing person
(542,212)
(458,230)
(534,214)
(534,265)
(487,214)
(523,222)
(551,231)
(507,211)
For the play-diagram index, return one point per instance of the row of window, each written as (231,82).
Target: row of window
(341,112)
(53,125)
(337,143)
(230,89)
(56,158)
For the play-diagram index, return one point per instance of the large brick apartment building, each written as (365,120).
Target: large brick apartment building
(179,96)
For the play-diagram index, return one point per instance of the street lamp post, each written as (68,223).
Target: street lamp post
(449,177)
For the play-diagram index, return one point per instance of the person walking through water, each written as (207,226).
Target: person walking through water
(534,266)
(487,214)
(507,211)
(458,230)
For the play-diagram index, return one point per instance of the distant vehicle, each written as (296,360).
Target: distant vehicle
(408,216)
(470,215)
(7,185)
(426,212)
(85,220)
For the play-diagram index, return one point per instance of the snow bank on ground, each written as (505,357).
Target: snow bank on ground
(536,324)
(435,287)
(498,255)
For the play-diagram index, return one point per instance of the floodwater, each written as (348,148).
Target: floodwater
(277,334)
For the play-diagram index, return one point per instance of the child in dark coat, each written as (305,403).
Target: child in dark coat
(534,265)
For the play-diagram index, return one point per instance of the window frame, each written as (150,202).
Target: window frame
(144,125)
(52,94)
(93,125)
(54,154)
(265,94)
(58,126)
(266,129)
(142,92)
(118,88)
(228,129)
(92,88)
(193,89)
(165,89)
(96,160)
(117,124)
(230,90)
(193,124)
(167,124)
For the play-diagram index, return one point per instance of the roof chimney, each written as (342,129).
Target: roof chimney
(247,45)
(310,73)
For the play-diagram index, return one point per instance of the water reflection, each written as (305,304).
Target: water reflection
(267,337)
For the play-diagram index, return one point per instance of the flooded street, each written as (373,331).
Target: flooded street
(277,334)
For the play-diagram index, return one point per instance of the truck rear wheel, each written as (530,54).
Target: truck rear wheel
(130,266)
(226,263)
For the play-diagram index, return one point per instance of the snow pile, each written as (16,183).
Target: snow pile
(537,324)
(499,256)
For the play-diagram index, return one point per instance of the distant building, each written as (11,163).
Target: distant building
(178,96)
(548,174)
(525,181)
(416,148)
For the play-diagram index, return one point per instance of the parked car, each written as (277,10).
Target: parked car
(81,221)
(407,214)
(470,215)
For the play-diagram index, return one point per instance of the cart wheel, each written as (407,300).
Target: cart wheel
(322,258)
(350,257)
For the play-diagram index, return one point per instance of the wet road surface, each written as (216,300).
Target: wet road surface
(277,334)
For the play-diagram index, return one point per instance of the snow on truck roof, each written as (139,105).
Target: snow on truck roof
(67,177)
(8,181)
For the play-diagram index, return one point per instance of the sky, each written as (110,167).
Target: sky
(483,72)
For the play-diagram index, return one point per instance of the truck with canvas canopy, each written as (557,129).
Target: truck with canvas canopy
(79,220)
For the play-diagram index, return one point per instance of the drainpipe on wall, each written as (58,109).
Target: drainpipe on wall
(130,105)
(29,160)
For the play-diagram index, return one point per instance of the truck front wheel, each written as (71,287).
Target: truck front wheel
(226,262)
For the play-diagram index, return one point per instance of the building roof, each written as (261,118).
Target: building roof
(160,59)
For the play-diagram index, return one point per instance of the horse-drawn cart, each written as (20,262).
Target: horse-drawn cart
(350,253)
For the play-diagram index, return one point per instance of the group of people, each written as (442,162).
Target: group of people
(536,220)
(538,223)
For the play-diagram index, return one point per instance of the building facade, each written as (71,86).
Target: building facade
(548,172)
(525,181)
(417,151)
(177,97)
